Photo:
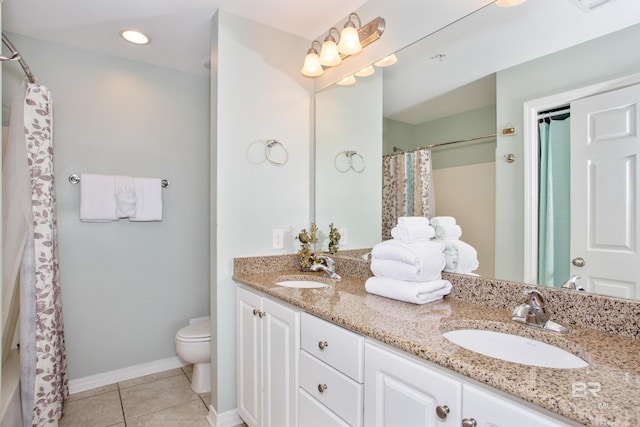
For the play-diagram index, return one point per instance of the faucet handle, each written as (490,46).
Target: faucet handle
(538,304)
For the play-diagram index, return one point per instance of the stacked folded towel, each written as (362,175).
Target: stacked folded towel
(106,198)
(409,266)
(460,256)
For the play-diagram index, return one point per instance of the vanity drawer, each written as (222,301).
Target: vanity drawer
(335,390)
(340,348)
(312,413)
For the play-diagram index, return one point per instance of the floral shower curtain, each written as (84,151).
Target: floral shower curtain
(407,188)
(44,381)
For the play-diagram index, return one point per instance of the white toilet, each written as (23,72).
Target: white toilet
(193,345)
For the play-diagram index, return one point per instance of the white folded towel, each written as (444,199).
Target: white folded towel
(460,257)
(443,220)
(448,231)
(431,270)
(413,221)
(148,199)
(411,253)
(98,198)
(413,292)
(413,233)
(125,196)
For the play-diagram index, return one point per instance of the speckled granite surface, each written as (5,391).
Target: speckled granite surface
(606,393)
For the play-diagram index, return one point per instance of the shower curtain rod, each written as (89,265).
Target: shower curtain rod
(15,55)
(397,150)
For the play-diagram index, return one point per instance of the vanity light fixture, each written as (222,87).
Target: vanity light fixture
(509,3)
(386,61)
(347,81)
(351,41)
(329,55)
(366,71)
(135,37)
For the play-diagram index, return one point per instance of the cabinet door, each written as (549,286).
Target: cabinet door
(493,410)
(315,414)
(248,348)
(399,391)
(281,346)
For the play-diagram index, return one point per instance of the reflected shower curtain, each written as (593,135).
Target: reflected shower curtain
(407,188)
(554,214)
(44,382)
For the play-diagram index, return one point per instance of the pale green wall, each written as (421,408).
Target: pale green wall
(126,287)
(259,94)
(351,120)
(596,61)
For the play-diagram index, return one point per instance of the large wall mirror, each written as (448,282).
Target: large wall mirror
(456,90)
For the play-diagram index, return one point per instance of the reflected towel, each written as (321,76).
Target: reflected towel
(125,196)
(460,257)
(413,292)
(148,199)
(448,231)
(98,198)
(409,234)
(443,220)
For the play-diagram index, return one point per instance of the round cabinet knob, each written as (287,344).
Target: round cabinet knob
(323,344)
(255,311)
(442,411)
(469,422)
(578,262)
(322,388)
(262,314)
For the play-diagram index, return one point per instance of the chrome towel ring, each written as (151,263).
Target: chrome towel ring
(271,143)
(353,161)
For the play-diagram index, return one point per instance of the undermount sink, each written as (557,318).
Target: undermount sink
(300,281)
(514,348)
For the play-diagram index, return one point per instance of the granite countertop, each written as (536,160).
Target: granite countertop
(606,393)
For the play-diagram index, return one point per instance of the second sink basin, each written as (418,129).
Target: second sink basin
(514,348)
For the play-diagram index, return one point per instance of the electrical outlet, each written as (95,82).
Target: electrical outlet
(278,239)
(343,236)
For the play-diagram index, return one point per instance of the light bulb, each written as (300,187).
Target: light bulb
(312,66)
(135,37)
(349,40)
(509,3)
(329,54)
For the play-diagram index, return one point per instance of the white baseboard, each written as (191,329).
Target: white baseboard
(226,419)
(111,377)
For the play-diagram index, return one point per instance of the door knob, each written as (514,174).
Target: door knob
(578,262)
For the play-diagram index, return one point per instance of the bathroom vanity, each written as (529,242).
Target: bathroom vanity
(337,356)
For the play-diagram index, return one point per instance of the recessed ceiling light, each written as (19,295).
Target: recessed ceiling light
(135,37)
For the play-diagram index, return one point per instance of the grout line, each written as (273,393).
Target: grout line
(124,418)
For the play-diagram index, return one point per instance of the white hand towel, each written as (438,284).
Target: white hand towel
(443,220)
(416,292)
(460,257)
(98,198)
(413,221)
(430,270)
(148,199)
(410,253)
(448,231)
(412,233)
(125,196)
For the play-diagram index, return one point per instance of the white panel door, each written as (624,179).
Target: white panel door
(605,148)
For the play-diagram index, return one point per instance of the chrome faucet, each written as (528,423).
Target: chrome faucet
(571,283)
(534,313)
(326,264)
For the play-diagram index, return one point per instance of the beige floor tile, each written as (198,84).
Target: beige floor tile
(93,392)
(190,414)
(206,399)
(149,378)
(97,411)
(157,395)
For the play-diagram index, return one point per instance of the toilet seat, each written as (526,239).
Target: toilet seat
(198,332)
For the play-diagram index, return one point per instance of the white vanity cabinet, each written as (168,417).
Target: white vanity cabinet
(331,375)
(267,348)
(403,392)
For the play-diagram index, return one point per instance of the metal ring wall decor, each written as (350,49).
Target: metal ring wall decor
(354,161)
(268,145)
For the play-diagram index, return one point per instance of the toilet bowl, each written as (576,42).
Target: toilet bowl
(193,345)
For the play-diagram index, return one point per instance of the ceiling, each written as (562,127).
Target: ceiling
(491,39)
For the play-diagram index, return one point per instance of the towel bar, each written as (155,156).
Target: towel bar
(74,179)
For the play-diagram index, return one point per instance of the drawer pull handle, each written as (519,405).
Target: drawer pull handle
(442,411)
(323,345)
(322,388)
(469,422)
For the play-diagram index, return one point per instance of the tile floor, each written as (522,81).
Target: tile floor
(164,399)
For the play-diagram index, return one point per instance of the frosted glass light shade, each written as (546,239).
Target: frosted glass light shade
(386,61)
(347,81)
(329,54)
(312,66)
(349,40)
(135,37)
(366,71)
(509,3)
